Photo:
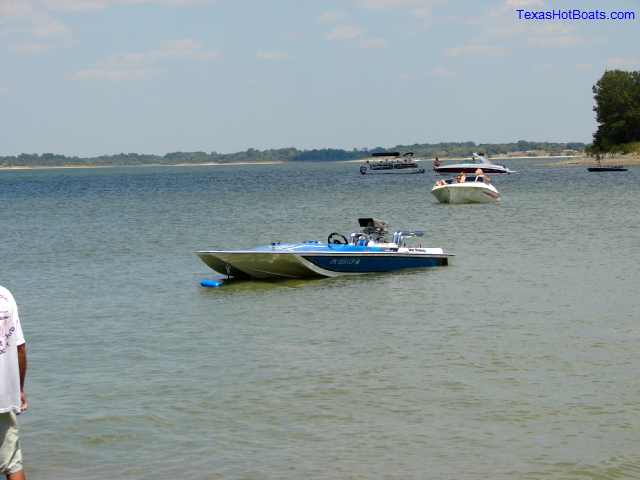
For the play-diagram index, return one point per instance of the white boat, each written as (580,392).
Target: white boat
(474,189)
(477,161)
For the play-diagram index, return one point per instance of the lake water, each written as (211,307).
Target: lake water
(518,361)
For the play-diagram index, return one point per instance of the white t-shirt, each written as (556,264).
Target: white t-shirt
(10,338)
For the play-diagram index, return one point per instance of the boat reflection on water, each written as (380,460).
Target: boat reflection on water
(367,251)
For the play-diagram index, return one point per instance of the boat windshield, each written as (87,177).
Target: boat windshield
(479,158)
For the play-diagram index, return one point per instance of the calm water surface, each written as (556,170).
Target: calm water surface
(518,361)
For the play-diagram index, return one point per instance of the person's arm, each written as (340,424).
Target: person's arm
(22,365)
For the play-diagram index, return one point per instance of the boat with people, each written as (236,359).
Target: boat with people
(372,249)
(390,162)
(478,160)
(466,189)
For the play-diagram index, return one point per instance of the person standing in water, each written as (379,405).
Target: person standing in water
(13,401)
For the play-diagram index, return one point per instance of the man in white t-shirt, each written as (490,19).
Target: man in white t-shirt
(13,368)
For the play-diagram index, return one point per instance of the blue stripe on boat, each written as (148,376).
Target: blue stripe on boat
(373,263)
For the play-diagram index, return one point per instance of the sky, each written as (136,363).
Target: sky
(92,77)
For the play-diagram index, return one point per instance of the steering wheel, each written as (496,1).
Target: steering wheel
(337,239)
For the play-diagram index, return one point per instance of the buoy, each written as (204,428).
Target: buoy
(211,283)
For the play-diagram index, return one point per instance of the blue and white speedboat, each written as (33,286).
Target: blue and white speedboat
(366,251)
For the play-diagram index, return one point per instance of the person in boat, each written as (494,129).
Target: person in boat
(481,176)
(461,177)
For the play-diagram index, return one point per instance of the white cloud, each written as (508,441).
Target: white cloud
(424,13)
(345,32)
(555,41)
(410,4)
(499,30)
(442,72)
(44,25)
(624,63)
(356,35)
(543,67)
(332,17)
(187,49)
(15,8)
(30,30)
(551,35)
(29,48)
(32,26)
(144,65)
(421,9)
(114,73)
(525,3)
(76,5)
(479,50)
(373,43)
(272,55)
(80,5)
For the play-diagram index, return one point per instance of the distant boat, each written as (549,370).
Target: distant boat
(390,162)
(609,168)
(598,167)
(477,161)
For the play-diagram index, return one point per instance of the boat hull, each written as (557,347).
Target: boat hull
(471,169)
(287,265)
(370,263)
(472,192)
(607,169)
(392,171)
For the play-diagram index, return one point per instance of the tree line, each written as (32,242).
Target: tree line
(442,150)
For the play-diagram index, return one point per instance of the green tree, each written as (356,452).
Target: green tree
(617,97)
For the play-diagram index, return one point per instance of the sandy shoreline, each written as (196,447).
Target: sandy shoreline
(584,161)
(562,161)
(62,167)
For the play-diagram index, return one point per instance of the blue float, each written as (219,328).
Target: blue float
(211,283)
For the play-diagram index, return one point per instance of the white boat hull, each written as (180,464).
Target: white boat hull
(468,192)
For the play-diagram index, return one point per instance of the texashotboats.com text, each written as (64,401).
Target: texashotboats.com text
(575,14)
